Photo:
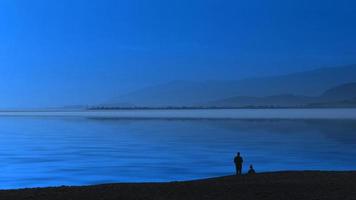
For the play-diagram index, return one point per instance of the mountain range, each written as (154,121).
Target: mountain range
(339,96)
(314,87)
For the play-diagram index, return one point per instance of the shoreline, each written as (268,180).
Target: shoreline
(269,185)
(283,113)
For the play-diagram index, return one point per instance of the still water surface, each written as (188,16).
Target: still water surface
(80,151)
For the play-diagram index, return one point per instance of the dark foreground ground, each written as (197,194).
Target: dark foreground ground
(279,185)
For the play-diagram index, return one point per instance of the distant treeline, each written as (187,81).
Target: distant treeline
(211,107)
(170,107)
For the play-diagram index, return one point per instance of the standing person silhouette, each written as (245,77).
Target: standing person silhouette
(238,160)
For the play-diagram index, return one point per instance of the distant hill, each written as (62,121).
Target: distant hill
(299,87)
(351,103)
(286,100)
(339,96)
(339,93)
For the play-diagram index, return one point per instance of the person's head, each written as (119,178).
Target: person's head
(238,153)
(251,166)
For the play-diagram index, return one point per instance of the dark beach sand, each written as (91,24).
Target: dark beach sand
(279,185)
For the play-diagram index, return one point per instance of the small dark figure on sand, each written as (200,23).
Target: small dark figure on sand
(251,170)
(238,163)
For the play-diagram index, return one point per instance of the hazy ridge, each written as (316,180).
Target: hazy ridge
(340,96)
(295,88)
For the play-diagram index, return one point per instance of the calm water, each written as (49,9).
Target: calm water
(80,151)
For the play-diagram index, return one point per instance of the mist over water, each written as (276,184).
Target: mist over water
(57,151)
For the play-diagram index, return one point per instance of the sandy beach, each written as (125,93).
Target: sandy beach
(276,185)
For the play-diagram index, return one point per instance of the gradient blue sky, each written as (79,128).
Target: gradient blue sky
(87,51)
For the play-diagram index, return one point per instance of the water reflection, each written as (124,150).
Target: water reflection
(77,151)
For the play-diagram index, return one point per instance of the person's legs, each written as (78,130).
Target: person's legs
(239,170)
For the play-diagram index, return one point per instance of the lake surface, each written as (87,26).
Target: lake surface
(53,151)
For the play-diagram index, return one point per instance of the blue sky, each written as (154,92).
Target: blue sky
(84,51)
